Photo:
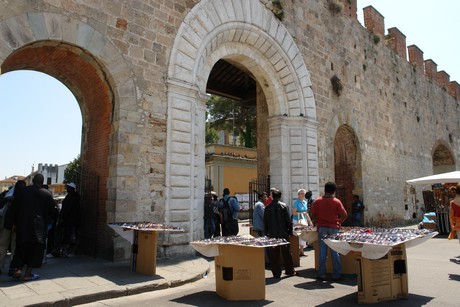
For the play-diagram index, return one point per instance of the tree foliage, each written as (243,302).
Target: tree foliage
(71,172)
(212,135)
(233,116)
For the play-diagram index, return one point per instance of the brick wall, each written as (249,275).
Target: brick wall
(373,20)
(396,40)
(416,56)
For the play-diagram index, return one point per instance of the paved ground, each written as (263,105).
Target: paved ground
(433,272)
(78,280)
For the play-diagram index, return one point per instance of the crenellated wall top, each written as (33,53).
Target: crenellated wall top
(396,40)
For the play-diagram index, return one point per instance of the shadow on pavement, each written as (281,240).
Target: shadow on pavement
(212,299)
(351,300)
(455,277)
(119,273)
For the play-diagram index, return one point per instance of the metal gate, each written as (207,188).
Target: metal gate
(88,186)
(257,186)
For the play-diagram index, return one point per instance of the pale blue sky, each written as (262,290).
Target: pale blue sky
(41,119)
(430,25)
(41,122)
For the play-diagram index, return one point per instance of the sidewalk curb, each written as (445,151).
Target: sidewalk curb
(72,297)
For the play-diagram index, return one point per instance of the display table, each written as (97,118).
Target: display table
(239,264)
(381,259)
(293,247)
(143,237)
(310,235)
(307,233)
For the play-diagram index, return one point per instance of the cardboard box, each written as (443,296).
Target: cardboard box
(252,232)
(348,261)
(383,279)
(240,272)
(294,246)
(144,255)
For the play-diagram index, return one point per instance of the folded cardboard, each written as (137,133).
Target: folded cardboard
(240,272)
(144,255)
(383,279)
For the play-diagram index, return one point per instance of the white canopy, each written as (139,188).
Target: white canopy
(439,178)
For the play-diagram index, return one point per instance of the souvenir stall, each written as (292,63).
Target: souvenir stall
(437,197)
(310,235)
(239,264)
(143,238)
(381,259)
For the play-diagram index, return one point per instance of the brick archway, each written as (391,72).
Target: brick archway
(443,159)
(347,167)
(81,74)
(94,70)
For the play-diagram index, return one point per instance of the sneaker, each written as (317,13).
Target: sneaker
(337,279)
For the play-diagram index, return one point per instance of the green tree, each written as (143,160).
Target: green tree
(233,116)
(71,172)
(212,136)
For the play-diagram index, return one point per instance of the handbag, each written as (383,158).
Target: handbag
(301,220)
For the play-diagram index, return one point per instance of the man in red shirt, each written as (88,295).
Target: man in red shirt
(328,213)
(270,197)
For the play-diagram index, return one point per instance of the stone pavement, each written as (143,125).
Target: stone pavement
(78,279)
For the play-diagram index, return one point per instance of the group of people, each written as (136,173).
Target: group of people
(221,215)
(33,224)
(274,219)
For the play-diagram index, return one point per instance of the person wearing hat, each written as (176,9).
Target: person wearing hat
(69,220)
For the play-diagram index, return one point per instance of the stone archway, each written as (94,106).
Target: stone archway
(443,159)
(247,35)
(89,65)
(347,167)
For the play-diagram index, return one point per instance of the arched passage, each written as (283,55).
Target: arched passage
(89,65)
(347,167)
(81,76)
(443,160)
(247,35)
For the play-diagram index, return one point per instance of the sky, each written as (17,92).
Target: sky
(42,121)
(430,25)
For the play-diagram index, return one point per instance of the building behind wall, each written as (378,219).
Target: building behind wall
(233,168)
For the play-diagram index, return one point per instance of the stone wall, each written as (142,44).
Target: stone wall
(398,113)
(153,59)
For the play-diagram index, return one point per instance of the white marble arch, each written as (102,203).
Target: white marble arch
(248,35)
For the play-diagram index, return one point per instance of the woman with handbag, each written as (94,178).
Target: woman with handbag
(300,216)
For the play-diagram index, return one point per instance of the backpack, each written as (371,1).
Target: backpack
(226,210)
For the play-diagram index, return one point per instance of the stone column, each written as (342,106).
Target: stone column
(185,165)
(293,155)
